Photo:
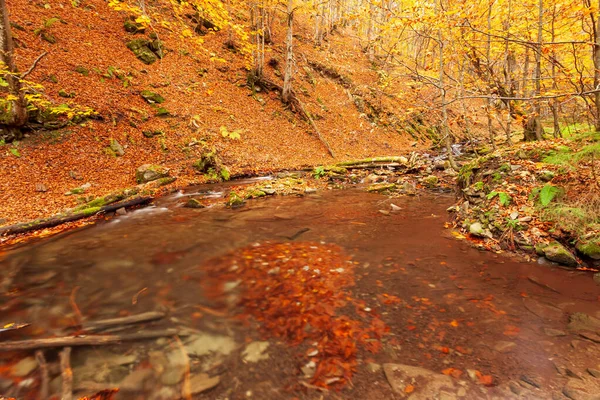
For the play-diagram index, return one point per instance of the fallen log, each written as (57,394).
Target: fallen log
(374,160)
(88,340)
(131,319)
(61,219)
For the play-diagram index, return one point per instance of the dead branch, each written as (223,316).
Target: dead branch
(67,374)
(99,325)
(44,378)
(30,70)
(61,219)
(73,341)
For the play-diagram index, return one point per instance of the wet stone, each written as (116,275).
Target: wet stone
(583,322)
(24,367)
(554,332)
(202,382)
(594,372)
(431,384)
(577,389)
(255,352)
(373,367)
(505,347)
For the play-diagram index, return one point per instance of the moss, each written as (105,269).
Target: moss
(90,211)
(254,194)
(82,70)
(166,181)
(162,112)
(504,168)
(225,174)
(382,188)
(140,48)
(194,203)
(590,247)
(152,97)
(235,200)
(150,134)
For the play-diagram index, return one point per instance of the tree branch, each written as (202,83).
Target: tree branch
(30,70)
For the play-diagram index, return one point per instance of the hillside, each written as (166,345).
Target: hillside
(205,88)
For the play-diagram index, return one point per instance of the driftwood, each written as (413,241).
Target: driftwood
(61,219)
(88,340)
(132,319)
(45,378)
(67,374)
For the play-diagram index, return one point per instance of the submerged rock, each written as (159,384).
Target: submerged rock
(431,385)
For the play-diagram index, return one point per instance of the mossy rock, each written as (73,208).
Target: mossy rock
(431,181)
(140,48)
(82,70)
(225,174)
(162,112)
(590,247)
(150,134)
(64,93)
(194,203)
(235,200)
(116,147)
(133,27)
(150,172)
(255,194)
(152,97)
(157,48)
(48,37)
(382,188)
(558,253)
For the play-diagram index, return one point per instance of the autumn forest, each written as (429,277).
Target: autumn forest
(299,199)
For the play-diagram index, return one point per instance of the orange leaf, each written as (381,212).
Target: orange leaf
(454,323)
(409,389)
(486,380)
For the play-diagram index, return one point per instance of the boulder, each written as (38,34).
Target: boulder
(140,48)
(133,27)
(116,148)
(558,253)
(590,247)
(149,172)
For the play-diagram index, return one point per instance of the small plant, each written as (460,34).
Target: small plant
(503,198)
(15,152)
(233,135)
(319,172)
(547,194)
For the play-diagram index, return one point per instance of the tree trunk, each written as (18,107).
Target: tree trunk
(14,116)
(489,76)
(596,57)
(286,93)
(538,73)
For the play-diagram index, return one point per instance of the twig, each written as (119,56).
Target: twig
(67,374)
(186,389)
(132,319)
(97,340)
(78,316)
(41,360)
(135,297)
(30,70)
(314,126)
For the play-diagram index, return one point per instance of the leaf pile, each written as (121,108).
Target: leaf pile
(298,292)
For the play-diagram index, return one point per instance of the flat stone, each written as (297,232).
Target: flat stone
(558,253)
(121,211)
(427,384)
(137,380)
(255,352)
(202,382)
(204,343)
(554,332)
(594,337)
(505,347)
(24,367)
(40,187)
(576,389)
(594,372)
(172,366)
(544,311)
(583,322)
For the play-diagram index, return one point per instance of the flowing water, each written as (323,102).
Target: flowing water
(469,313)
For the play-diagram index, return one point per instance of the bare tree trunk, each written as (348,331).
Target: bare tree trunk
(15,115)
(489,76)
(538,72)
(508,71)
(596,57)
(555,102)
(286,93)
(442,82)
